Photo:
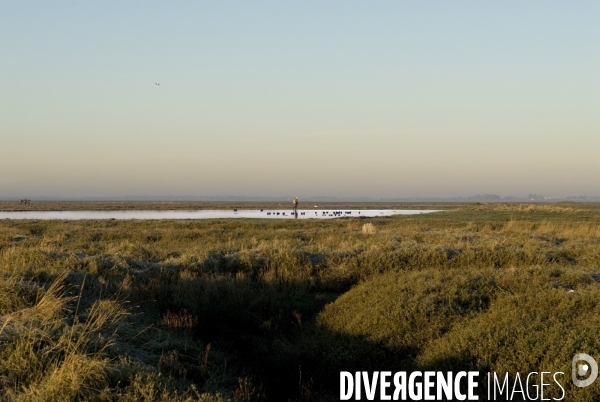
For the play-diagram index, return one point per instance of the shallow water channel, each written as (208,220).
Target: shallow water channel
(210,214)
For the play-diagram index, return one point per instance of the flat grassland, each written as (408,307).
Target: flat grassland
(198,205)
(252,310)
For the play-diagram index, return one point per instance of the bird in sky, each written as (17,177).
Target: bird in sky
(157,84)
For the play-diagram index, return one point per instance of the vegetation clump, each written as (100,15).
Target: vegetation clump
(369,228)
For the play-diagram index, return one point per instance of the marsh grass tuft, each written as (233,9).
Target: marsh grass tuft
(369,228)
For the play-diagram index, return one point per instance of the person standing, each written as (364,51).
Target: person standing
(296,207)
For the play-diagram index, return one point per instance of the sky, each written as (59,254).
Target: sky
(313,98)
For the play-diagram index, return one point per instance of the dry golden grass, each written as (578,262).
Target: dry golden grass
(369,228)
(126,310)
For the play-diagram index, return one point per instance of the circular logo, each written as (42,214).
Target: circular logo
(581,369)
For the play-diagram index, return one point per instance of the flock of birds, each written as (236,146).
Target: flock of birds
(323,213)
(296,213)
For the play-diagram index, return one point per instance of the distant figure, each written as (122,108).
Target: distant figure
(157,84)
(296,207)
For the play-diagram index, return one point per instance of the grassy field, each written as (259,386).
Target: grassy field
(272,310)
(196,205)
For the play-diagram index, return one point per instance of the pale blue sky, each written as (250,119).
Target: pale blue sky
(339,98)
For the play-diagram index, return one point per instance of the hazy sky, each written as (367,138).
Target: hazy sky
(269,98)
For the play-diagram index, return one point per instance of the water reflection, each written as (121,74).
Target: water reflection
(209,214)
